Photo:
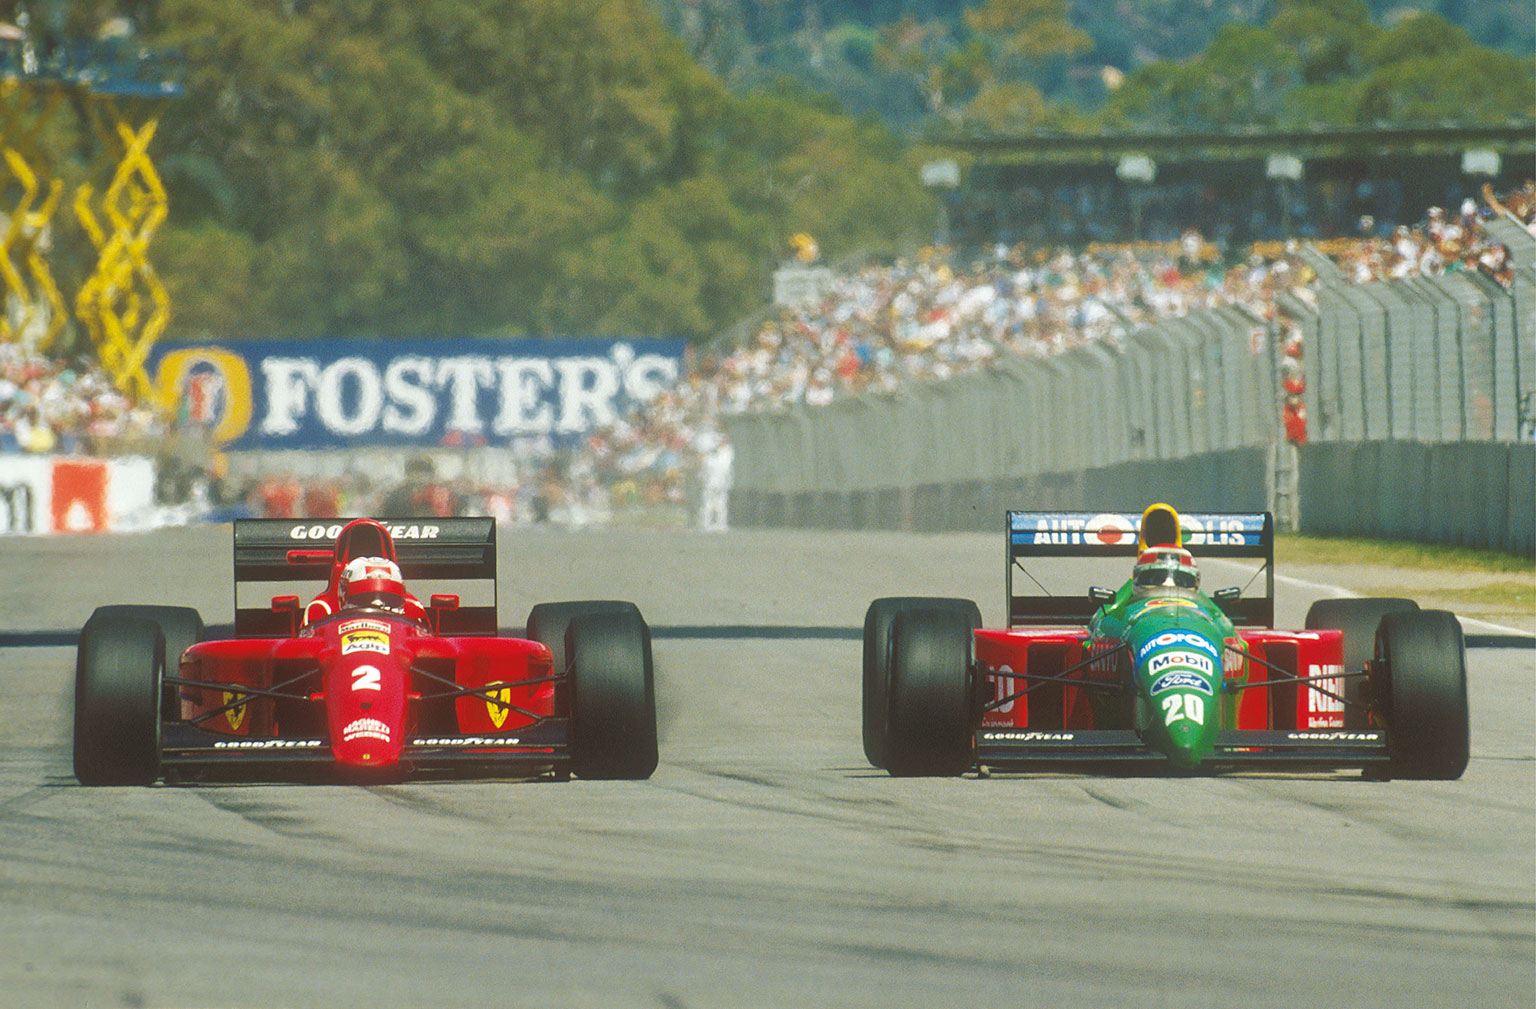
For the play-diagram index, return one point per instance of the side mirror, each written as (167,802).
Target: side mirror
(1227,595)
(1100,595)
(290,606)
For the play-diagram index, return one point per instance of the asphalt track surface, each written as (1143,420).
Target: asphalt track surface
(764,864)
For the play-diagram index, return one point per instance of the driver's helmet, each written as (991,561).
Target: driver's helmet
(371,583)
(1163,570)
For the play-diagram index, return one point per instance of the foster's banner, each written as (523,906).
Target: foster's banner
(335,393)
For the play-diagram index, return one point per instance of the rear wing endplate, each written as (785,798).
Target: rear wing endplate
(454,549)
(1113,534)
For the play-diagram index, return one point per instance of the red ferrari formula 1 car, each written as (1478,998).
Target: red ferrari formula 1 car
(364,682)
(1157,675)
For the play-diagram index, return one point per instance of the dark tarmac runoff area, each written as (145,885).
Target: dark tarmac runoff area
(765,863)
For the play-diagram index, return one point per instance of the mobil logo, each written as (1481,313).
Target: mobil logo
(1163,661)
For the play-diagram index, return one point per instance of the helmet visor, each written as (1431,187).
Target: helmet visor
(1166,576)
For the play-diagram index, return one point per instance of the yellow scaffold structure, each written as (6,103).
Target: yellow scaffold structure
(123,304)
(34,311)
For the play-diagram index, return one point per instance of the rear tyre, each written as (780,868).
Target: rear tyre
(877,652)
(180,626)
(612,695)
(1358,619)
(119,673)
(1419,677)
(547,622)
(929,728)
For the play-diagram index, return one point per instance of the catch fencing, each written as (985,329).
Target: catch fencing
(1434,373)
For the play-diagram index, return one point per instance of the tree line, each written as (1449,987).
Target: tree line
(590,167)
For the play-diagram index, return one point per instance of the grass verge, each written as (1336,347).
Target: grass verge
(1291,548)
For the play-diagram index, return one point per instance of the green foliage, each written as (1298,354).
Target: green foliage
(1323,63)
(490,166)
(1326,35)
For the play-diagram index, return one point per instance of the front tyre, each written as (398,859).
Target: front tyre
(877,660)
(1419,680)
(929,729)
(119,669)
(612,696)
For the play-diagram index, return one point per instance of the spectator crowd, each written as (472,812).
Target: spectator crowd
(880,327)
(67,407)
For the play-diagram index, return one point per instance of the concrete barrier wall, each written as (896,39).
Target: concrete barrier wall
(1421,397)
(1228,480)
(1474,494)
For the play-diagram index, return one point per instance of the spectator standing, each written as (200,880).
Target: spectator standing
(716,475)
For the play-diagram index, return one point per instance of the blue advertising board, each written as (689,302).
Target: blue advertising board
(426,392)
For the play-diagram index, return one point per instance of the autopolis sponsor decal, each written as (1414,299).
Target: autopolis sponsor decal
(1024,736)
(365,641)
(1180,680)
(341,393)
(396,532)
(268,744)
(466,741)
(1112,529)
(1103,530)
(1186,660)
(363,624)
(1184,639)
(365,728)
(1335,737)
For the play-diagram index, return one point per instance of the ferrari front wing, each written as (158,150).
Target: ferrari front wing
(190,753)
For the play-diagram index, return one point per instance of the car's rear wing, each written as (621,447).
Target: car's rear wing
(460,550)
(1113,534)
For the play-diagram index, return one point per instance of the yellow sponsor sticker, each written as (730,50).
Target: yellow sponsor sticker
(365,641)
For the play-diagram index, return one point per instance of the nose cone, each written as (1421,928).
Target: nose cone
(1186,743)
(365,697)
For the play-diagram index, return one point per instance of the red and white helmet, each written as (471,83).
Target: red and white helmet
(1164,570)
(371,583)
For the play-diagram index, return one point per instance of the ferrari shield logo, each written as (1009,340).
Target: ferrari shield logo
(235,716)
(498,712)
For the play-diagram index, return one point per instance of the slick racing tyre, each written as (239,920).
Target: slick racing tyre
(929,726)
(1357,618)
(547,622)
(877,651)
(1419,678)
(180,626)
(119,669)
(612,695)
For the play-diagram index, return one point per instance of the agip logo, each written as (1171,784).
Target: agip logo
(210,387)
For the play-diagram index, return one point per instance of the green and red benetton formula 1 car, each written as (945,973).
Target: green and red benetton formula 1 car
(1158,675)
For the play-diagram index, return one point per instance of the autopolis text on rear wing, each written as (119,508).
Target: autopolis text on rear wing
(1034,534)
